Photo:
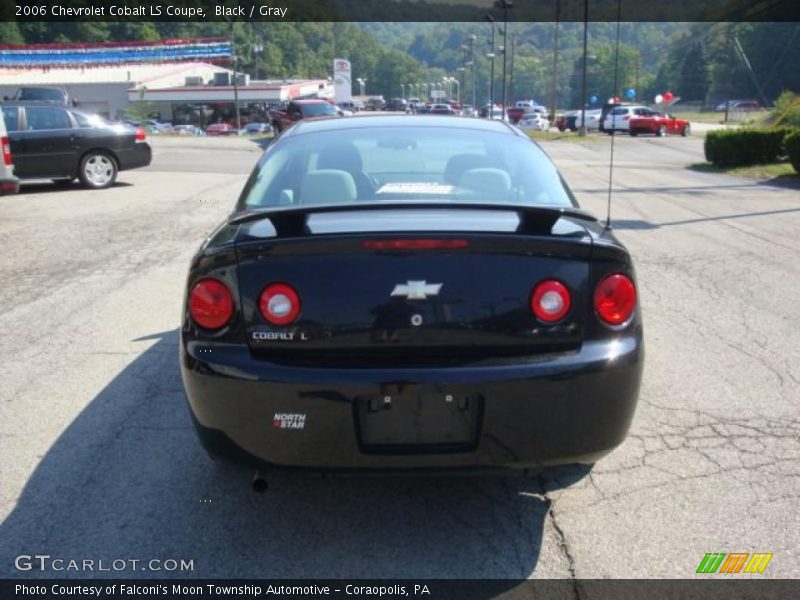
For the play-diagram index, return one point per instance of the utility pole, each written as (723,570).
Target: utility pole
(511,68)
(505,5)
(472,39)
(582,130)
(235,82)
(554,87)
(490,56)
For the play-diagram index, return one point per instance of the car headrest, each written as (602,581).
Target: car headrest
(343,156)
(493,184)
(460,163)
(328,186)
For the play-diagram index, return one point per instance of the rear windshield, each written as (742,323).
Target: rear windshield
(40,94)
(384,164)
(318,110)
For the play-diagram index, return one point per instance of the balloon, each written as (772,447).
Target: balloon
(668,96)
(593,99)
(659,98)
(631,93)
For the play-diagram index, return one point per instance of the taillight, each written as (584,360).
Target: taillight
(615,299)
(210,304)
(6,151)
(550,301)
(279,303)
(415,244)
(141,135)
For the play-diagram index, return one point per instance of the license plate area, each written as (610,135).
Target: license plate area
(418,420)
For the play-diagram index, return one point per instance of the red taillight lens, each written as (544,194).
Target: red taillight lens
(6,146)
(615,299)
(210,304)
(550,301)
(279,303)
(141,135)
(415,244)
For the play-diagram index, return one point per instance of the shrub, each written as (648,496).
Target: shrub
(747,146)
(786,110)
(792,146)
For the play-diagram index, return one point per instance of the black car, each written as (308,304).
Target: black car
(410,293)
(61,143)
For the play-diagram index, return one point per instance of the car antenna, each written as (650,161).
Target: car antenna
(613,133)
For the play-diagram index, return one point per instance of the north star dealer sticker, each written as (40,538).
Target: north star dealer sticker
(289,421)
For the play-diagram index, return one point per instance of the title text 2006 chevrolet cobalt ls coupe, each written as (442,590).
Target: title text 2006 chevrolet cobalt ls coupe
(410,293)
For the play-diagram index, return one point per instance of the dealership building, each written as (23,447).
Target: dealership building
(193,92)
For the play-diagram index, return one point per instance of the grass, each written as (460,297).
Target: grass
(782,171)
(570,136)
(755,117)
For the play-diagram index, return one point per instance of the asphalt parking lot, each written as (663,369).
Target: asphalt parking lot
(99,459)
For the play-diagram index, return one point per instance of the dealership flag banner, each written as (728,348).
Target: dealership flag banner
(342,80)
(114,53)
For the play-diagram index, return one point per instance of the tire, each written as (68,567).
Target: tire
(662,131)
(687,130)
(98,170)
(632,133)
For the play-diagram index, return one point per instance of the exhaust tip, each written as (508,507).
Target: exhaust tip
(259,484)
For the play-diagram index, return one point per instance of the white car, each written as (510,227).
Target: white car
(534,121)
(618,119)
(592,118)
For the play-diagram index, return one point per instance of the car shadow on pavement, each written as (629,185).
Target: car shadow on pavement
(127,479)
(45,187)
(642,224)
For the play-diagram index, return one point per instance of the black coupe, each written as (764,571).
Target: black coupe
(407,292)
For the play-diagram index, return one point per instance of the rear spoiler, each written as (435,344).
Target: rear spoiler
(291,222)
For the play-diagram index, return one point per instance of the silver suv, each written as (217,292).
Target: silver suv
(9,184)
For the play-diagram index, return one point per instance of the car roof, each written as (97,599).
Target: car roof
(449,122)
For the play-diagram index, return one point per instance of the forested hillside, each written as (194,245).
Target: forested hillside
(697,62)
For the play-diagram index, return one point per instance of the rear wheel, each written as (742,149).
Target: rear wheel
(686,130)
(662,131)
(98,170)
(632,133)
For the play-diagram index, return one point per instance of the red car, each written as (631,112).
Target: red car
(659,125)
(220,129)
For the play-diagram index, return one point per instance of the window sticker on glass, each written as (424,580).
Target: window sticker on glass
(416,187)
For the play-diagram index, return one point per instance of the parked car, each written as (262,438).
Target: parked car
(156,126)
(468,110)
(187,130)
(62,143)
(297,110)
(352,106)
(42,94)
(592,119)
(257,127)
(459,313)
(658,124)
(442,109)
(397,105)
(618,117)
(566,121)
(9,183)
(375,103)
(535,121)
(221,129)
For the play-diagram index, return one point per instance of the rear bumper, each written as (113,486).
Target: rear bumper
(9,186)
(133,158)
(569,408)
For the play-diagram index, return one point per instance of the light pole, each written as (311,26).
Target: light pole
(235,82)
(490,56)
(458,86)
(505,5)
(362,85)
(403,91)
(472,40)
(582,130)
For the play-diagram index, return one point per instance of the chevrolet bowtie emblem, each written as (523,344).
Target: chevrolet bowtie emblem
(416,290)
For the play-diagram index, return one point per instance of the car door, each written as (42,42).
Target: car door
(50,142)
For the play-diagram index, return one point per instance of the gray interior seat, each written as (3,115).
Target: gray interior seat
(492,185)
(328,186)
